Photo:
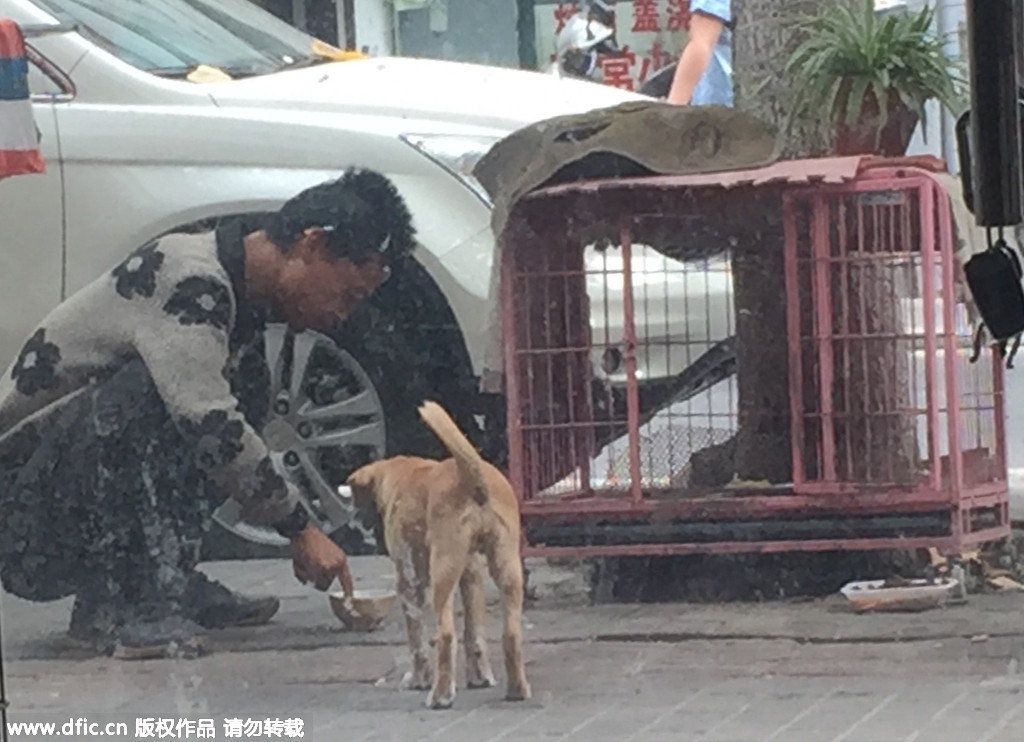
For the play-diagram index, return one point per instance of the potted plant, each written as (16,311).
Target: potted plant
(871,74)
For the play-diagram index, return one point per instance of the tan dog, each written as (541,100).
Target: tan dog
(442,519)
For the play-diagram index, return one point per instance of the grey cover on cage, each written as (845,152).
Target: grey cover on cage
(658,137)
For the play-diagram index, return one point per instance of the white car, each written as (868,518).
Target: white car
(136,148)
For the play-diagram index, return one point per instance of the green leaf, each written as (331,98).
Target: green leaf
(855,99)
(846,52)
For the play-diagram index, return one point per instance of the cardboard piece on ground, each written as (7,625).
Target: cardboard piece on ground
(995,577)
(1004,582)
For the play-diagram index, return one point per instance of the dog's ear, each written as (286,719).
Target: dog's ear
(358,479)
(362,483)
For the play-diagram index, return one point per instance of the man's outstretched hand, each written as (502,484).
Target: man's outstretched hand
(317,559)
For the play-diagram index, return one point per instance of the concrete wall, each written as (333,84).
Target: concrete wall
(374,27)
(481,31)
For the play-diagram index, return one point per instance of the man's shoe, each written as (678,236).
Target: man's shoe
(93,624)
(213,606)
(171,636)
(131,632)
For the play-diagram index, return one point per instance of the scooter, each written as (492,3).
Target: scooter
(586,35)
(659,83)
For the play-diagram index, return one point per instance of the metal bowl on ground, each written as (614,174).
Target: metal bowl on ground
(364,611)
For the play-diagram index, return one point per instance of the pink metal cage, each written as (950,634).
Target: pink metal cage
(766,360)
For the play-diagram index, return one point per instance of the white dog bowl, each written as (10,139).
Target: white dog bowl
(917,595)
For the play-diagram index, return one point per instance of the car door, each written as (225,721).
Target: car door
(32,222)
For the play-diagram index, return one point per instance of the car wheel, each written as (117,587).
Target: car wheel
(326,418)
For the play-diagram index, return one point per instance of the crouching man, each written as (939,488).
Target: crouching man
(119,432)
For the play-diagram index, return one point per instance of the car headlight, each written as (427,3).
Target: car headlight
(456,154)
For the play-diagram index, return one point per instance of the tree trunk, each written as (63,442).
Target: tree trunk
(763,445)
(762,41)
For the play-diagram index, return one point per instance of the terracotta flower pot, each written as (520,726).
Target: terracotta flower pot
(862,136)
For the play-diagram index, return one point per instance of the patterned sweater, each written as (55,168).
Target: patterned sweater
(179,305)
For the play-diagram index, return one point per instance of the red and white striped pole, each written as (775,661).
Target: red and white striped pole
(19,138)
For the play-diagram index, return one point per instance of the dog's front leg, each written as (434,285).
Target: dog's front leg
(474,602)
(412,591)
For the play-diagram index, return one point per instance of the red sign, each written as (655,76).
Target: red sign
(650,40)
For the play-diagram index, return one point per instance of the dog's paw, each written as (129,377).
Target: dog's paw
(519,693)
(441,700)
(411,682)
(487,681)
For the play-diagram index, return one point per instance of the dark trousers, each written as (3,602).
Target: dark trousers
(102,499)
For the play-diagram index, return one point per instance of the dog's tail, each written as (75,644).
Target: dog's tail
(468,460)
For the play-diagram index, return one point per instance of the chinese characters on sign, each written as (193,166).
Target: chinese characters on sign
(678,15)
(629,70)
(154,728)
(645,16)
(650,34)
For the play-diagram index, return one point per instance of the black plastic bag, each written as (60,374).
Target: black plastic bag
(994,278)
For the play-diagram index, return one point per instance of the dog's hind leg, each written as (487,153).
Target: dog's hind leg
(507,572)
(474,602)
(445,572)
(412,591)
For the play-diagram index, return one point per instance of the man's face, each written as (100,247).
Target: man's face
(318,290)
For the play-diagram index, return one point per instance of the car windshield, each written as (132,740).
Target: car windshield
(174,36)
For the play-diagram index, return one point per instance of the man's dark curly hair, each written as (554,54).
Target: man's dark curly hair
(361,211)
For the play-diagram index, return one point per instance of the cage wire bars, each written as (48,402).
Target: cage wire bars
(764,360)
